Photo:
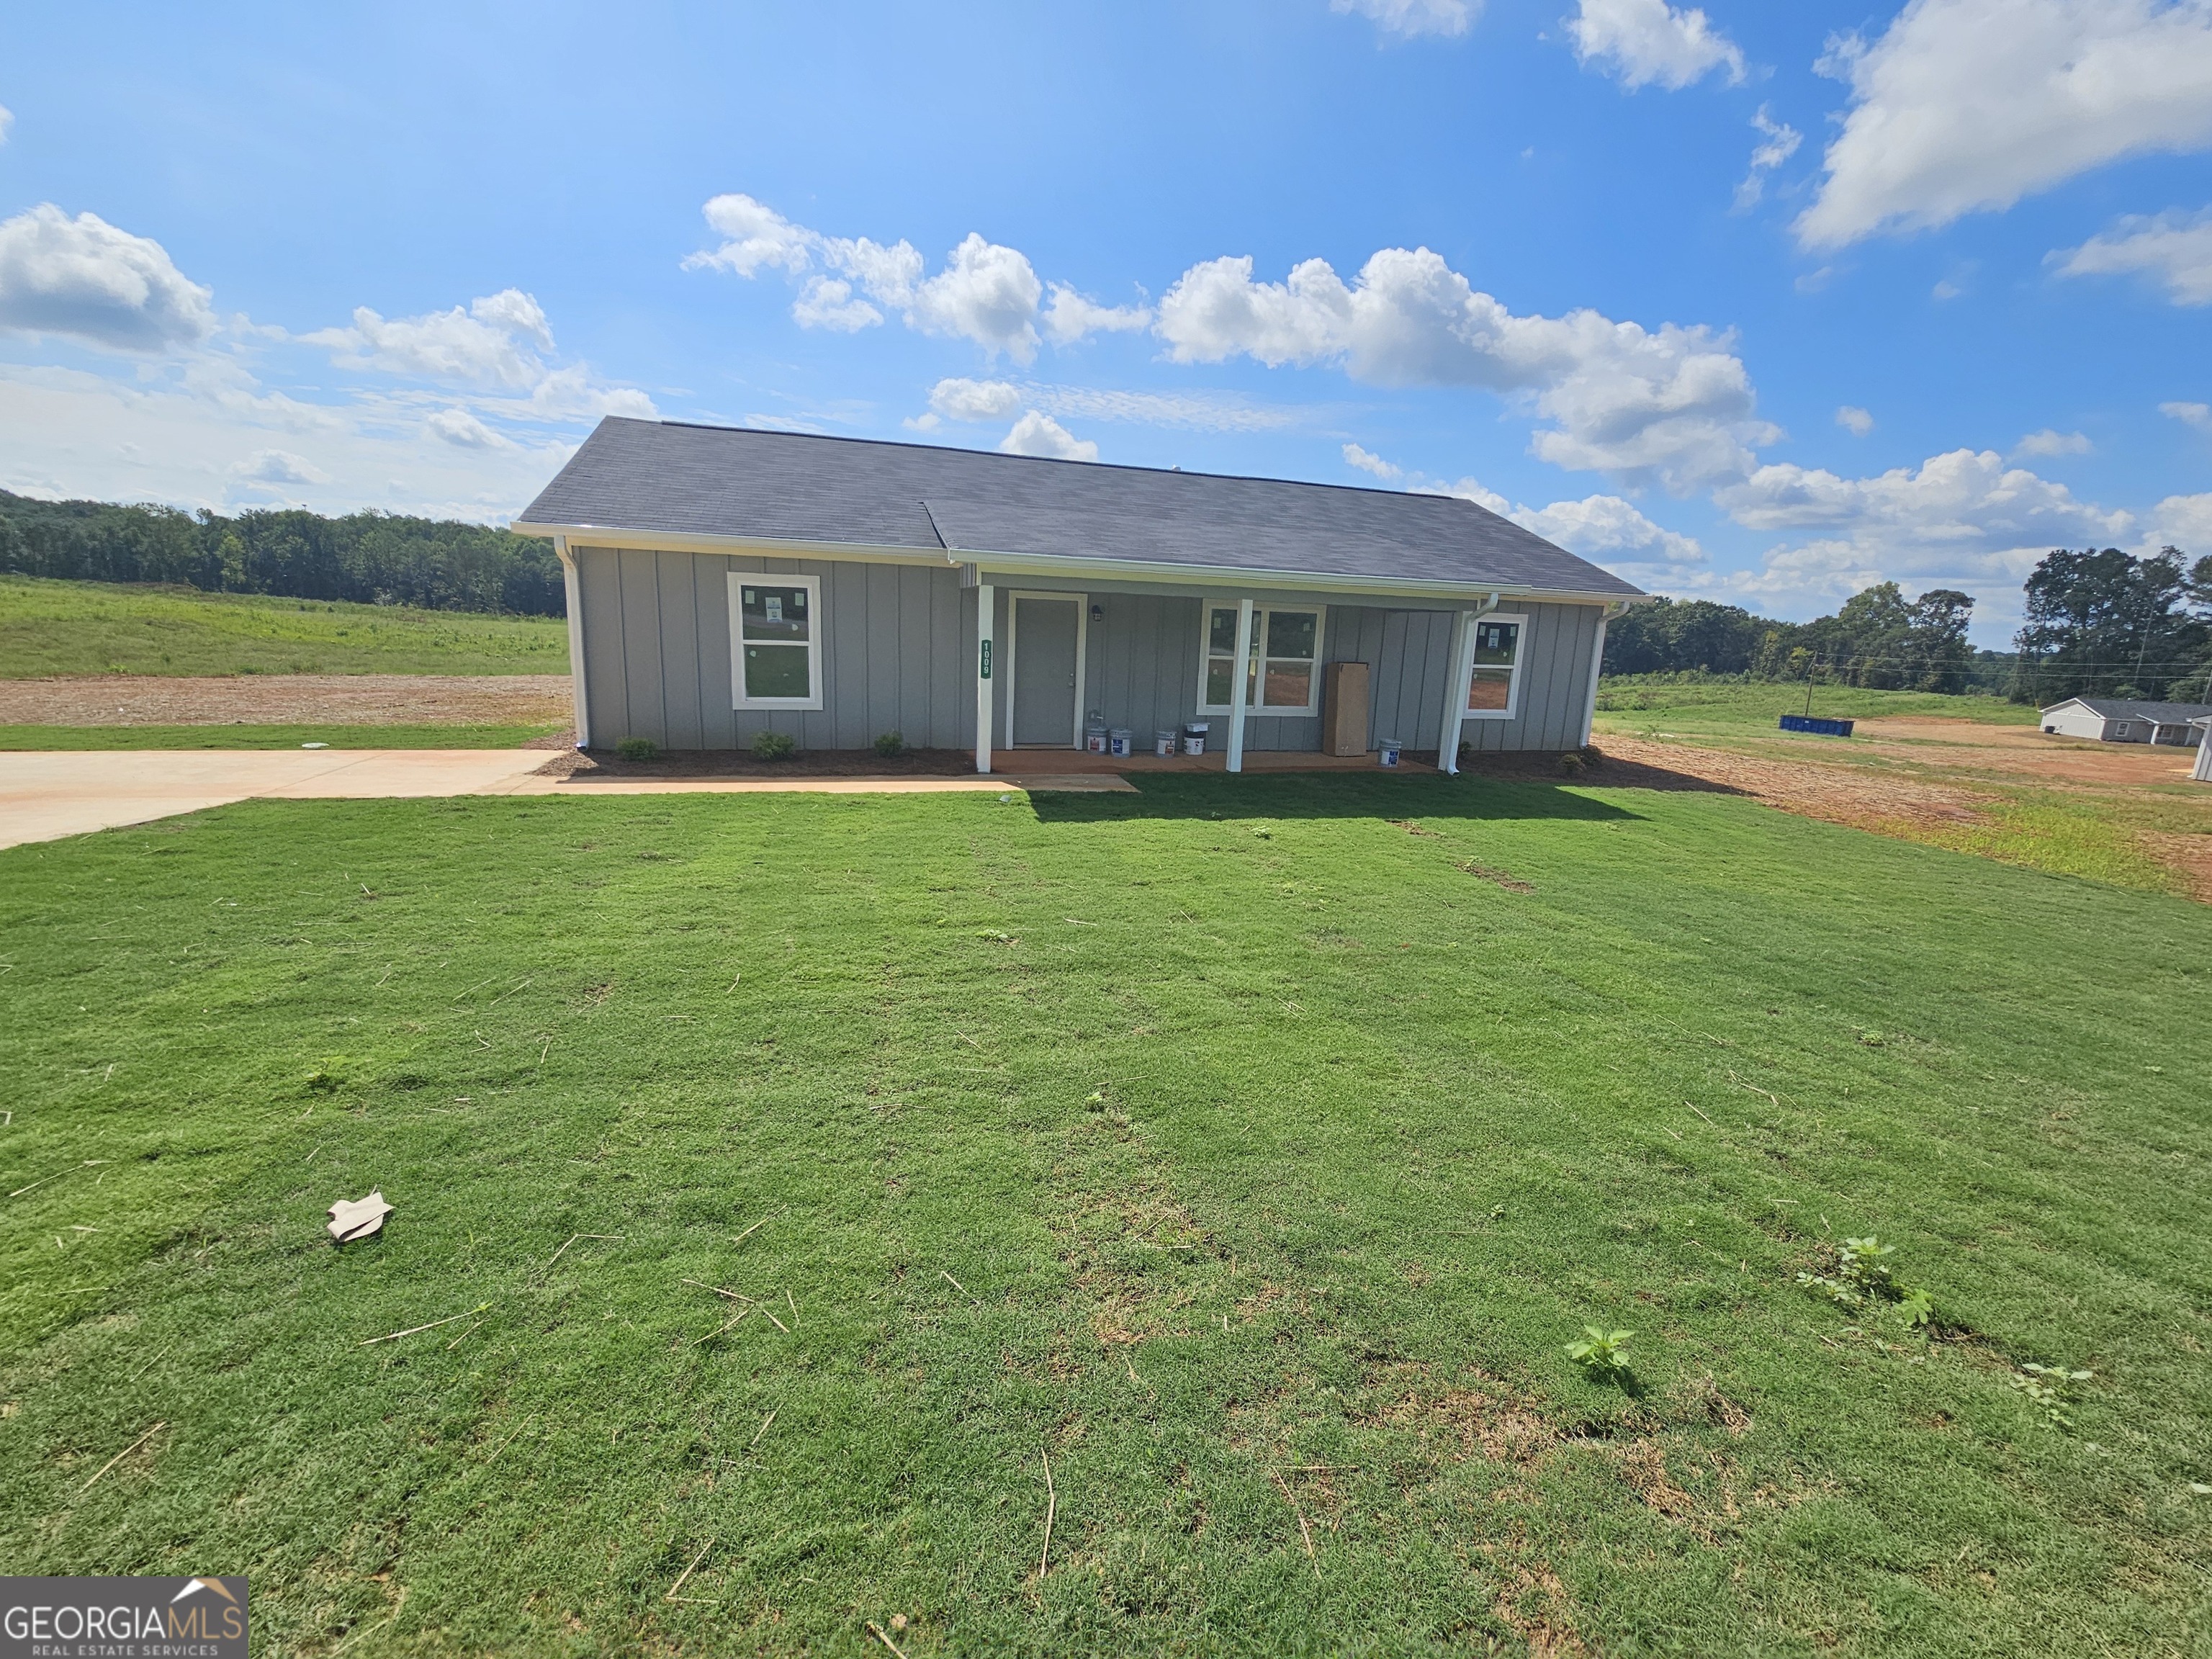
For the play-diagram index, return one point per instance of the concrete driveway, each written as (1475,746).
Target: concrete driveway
(46,795)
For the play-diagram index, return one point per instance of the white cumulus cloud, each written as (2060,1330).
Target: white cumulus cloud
(1964,520)
(280,466)
(2052,442)
(987,292)
(1410,17)
(1647,42)
(2196,415)
(1854,420)
(974,400)
(457,426)
(2172,248)
(1672,405)
(494,341)
(1036,434)
(1967,106)
(1368,461)
(1779,142)
(85,279)
(7,120)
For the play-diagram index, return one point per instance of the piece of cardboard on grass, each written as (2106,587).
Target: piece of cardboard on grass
(358,1218)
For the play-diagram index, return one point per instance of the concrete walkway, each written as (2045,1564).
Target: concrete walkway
(46,795)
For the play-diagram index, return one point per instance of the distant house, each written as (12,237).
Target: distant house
(2114,719)
(722,583)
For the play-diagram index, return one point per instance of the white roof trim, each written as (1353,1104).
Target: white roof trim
(1050,564)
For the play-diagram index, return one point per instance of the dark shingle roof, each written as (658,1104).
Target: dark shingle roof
(2121,709)
(652,476)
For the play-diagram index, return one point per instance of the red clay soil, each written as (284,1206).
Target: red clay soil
(1839,795)
(2024,752)
(288,700)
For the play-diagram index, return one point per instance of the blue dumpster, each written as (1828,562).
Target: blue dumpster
(1818,727)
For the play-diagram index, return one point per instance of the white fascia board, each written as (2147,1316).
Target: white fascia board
(1233,577)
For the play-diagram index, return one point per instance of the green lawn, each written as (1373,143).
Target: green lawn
(103,628)
(270,737)
(1249,1155)
(1647,704)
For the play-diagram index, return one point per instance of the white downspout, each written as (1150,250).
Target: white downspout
(986,609)
(1457,685)
(573,584)
(1237,693)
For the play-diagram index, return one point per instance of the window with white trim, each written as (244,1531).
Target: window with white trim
(1493,684)
(776,640)
(1282,669)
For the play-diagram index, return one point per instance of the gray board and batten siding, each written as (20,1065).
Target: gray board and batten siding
(898,653)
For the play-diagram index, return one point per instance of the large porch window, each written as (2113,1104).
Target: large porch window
(1282,673)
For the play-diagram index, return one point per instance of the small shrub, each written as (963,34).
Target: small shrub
(1602,1354)
(773,746)
(1572,764)
(889,743)
(638,749)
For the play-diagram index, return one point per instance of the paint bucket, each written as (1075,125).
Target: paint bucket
(1117,742)
(1387,751)
(1164,744)
(1094,739)
(1194,737)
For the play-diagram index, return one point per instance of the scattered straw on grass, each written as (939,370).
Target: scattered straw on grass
(120,1456)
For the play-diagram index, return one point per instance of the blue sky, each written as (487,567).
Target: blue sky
(1758,301)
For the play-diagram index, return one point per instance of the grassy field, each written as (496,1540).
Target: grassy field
(269,737)
(1246,1151)
(100,628)
(1643,704)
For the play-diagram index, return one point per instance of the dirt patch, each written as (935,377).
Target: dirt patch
(1837,794)
(2023,752)
(741,763)
(289,700)
(1487,1421)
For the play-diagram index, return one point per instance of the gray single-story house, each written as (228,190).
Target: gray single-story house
(724,582)
(2121,720)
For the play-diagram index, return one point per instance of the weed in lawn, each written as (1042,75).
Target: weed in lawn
(2049,1389)
(1601,1353)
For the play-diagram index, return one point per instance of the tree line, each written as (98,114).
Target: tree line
(2104,623)
(375,558)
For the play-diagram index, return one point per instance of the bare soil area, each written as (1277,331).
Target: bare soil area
(288,700)
(2024,751)
(1839,794)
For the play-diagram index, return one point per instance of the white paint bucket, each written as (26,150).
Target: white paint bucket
(1194,737)
(1164,744)
(1117,742)
(1387,751)
(1095,740)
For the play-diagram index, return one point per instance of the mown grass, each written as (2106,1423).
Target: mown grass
(271,737)
(1249,1148)
(1650,704)
(50,628)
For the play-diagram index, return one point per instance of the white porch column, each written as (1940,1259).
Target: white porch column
(1456,689)
(985,610)
(1238,692)
(1597,662)
(572,583)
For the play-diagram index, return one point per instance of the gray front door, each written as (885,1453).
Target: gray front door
(1044,672)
